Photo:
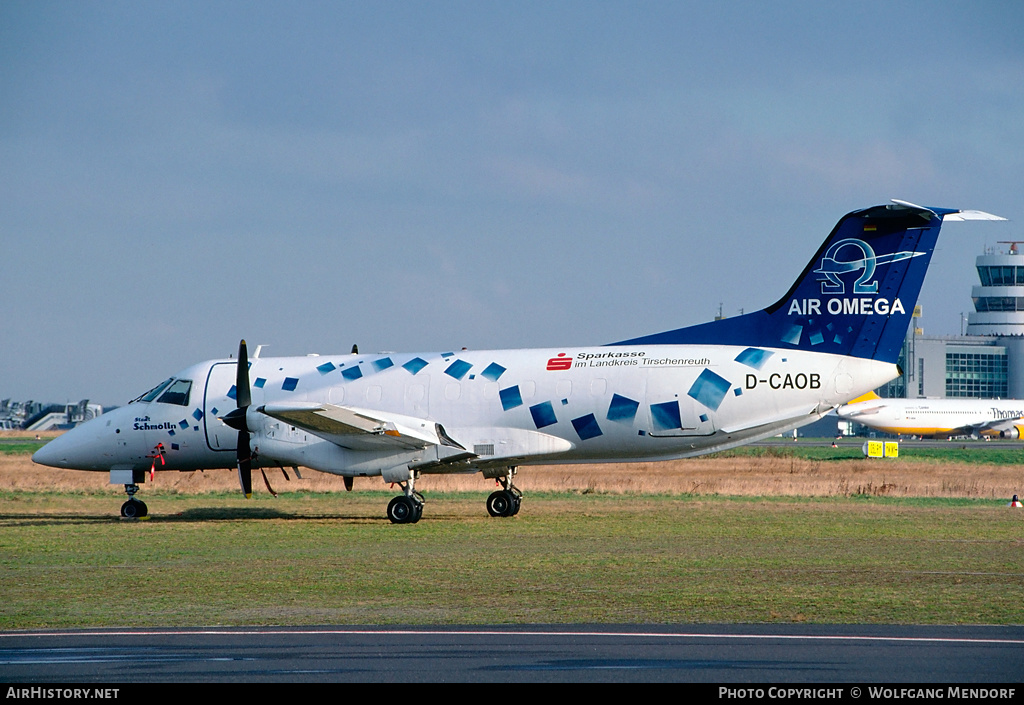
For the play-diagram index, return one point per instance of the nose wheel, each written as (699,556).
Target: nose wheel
(133,508)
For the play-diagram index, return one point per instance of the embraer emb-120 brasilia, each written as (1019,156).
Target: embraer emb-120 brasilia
(834,336)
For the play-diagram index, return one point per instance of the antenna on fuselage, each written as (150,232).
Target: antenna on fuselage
(355,349)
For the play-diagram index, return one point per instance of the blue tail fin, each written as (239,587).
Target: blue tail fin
(855,297)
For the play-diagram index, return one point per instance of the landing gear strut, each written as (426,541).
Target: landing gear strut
(133,508)
(406,508)
(506,501)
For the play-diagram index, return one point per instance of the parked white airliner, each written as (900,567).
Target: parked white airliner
(834,336)
(937,417)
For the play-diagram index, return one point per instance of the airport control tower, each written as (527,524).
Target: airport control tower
(999,301)
(987,362)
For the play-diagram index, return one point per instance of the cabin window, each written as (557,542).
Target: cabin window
(563,389)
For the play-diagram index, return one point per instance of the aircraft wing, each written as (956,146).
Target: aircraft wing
(372,430)
(993,425)
(359,429)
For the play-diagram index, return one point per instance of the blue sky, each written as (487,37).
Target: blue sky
(419,176)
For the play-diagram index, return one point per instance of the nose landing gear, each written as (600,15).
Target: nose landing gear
(133,508)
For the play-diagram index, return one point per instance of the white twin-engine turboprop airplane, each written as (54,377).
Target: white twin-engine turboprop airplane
(835,335)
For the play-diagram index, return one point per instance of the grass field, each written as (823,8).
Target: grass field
(754,537)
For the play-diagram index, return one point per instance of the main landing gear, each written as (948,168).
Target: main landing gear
(506,501)
(406,508)
(133,508)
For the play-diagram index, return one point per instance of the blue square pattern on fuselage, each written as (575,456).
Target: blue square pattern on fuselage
(510,398)
(622,409)
(543,414)
(415,365)
(492,372)
(665,416)
(754,357)
(458,369)
(587,427)
(709,389)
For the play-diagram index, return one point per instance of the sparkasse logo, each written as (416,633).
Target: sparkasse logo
(560,363)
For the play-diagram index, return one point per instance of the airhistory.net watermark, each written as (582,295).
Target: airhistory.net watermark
(37,693)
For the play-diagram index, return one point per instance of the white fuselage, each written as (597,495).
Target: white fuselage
(938,417)
(511,407)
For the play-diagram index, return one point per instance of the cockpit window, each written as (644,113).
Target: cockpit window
(152,393)
(177,393)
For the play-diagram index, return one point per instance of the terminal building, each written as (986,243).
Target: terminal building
(33,416)
(988,360)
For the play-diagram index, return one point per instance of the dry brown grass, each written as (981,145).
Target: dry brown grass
(751,476)
(44,435)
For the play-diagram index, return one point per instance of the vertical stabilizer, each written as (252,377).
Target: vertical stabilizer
(855,297)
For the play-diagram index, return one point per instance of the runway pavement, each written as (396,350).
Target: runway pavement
(763,654)
(905,443)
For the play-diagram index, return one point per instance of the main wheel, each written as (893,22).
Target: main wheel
(501,504)
(403,510)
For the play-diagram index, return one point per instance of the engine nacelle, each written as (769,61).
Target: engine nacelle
(1012,432)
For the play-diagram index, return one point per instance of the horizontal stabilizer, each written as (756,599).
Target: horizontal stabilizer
(970,215)
(784,419)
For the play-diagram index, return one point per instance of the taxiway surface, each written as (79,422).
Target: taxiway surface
(549,653)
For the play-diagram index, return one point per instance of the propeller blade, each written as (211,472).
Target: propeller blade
(244,464)
(243,395)
(236,420)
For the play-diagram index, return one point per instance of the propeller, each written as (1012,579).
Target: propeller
(236,420)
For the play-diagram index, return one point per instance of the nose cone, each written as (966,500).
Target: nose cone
(62,451)
(52,453)
(85,447)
